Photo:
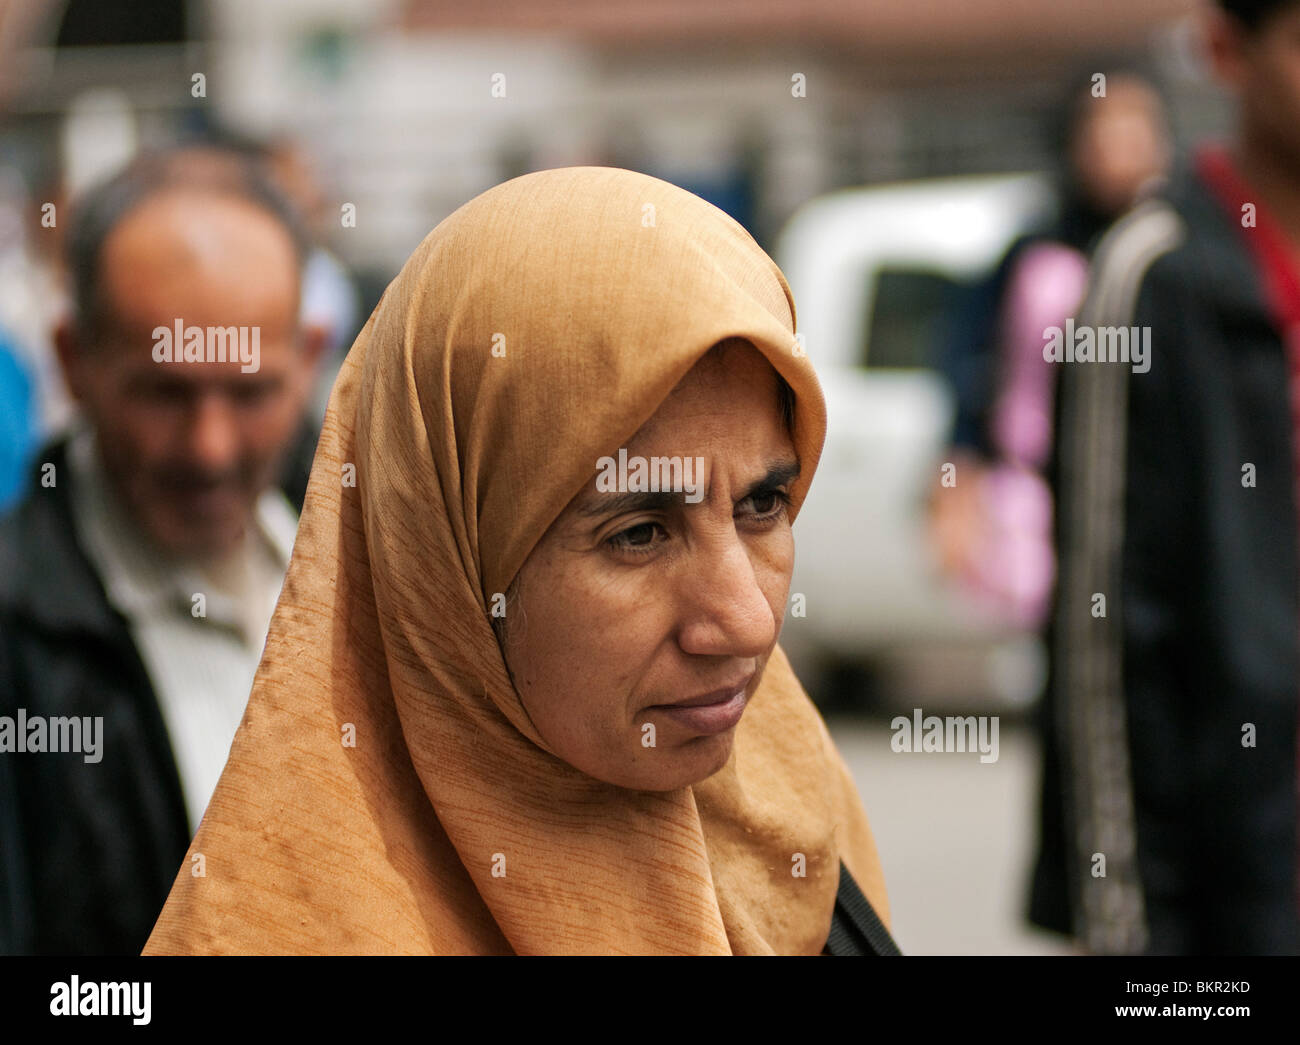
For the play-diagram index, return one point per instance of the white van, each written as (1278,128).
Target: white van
(864,563)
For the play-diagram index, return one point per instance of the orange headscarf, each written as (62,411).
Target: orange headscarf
(386,791)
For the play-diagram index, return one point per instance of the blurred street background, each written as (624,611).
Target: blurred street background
(956,838)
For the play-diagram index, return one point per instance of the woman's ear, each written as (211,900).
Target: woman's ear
(312,339)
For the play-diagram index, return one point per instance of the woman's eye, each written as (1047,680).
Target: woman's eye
(634,538)
(769,503)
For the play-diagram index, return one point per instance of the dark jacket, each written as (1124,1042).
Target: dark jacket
(88,851)
(91,849)
(1170,722)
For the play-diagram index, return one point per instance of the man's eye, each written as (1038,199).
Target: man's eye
(250,394)
(162,392)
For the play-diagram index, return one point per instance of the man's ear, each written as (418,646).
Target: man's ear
(72,358)
(312,340)
(1225,48)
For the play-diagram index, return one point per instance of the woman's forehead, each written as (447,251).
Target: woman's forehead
(728,386)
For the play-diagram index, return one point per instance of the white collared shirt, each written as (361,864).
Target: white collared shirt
(201,663)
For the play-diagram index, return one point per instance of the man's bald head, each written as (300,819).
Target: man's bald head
(203,177)
(209,259)
(192,243)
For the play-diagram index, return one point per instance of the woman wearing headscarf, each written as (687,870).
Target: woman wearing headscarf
(504,705)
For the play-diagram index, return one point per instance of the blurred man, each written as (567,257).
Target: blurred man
(138,577)
(1169,808)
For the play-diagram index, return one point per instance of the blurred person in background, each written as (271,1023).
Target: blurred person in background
(1169,789)
(138,575)
(329,293)
(993,528)
(32,399)
(18,421)
(330,296)
(328,299)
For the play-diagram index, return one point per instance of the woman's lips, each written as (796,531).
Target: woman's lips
(708,718)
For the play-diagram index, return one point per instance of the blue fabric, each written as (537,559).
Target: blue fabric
(18,424)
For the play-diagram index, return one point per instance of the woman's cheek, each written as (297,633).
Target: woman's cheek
(774,565)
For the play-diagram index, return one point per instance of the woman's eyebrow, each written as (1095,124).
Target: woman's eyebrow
(777,475)
(618,503)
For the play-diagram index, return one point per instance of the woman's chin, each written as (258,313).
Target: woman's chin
(693,762)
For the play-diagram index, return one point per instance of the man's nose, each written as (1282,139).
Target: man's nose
(726,610)
(212,437)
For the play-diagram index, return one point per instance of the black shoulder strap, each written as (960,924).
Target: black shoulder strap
(856,929)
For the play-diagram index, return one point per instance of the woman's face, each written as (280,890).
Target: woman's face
(1120,144)
(643,621)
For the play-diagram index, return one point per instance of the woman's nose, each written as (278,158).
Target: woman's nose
(726,611)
